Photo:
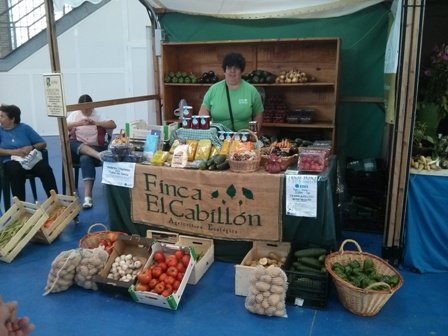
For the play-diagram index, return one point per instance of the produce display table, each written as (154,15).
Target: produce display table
(426,223)
(323,230)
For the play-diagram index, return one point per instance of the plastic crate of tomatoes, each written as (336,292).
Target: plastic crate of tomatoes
(164,277)
(312,160)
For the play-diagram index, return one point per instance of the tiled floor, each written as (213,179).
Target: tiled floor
(209,308)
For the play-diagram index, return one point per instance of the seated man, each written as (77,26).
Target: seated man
(87,140)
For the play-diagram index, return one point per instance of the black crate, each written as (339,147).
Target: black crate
(306,289)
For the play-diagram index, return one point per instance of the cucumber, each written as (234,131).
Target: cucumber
(304,268)
(310,252)
(311,262)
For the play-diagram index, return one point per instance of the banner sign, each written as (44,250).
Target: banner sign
(119,174)
(301,195)
(221,205)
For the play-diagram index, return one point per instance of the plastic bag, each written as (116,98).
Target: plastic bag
(62,272)
(92,262)
(267,291)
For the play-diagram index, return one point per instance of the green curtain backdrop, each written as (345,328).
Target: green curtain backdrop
(363,35)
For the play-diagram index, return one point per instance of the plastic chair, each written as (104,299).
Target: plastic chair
(77,166)
(6,186)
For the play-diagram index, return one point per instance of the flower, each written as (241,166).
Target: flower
(434,82)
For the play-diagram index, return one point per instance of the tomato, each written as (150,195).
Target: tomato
(186,260)
(156,272)
(166,293)
(180,267)
(169,280)
(176,285)
(169,287)
(159,288)
(180,275)
(145,277)
(153,283)
(172,271)
(159,256)
(141,288)
(163,276)
(171,260)
(163,266)
(179,254)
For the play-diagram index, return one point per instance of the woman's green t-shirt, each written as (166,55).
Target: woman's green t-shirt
(245,100)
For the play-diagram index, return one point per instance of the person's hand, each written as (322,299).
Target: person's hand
(10,325)
(86,122)
(23,151)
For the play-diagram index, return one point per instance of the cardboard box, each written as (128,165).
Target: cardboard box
(69,209)
(154,299)
(138,129)
(35,218)
(204,250)
(258,250)
(139,247)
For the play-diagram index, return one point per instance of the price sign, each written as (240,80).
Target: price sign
(54,95)
(301,195)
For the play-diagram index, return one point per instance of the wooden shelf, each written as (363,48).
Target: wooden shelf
(317,57)
(327,124)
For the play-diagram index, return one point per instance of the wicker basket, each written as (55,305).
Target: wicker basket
(364,302)
(246,166)
(92,239)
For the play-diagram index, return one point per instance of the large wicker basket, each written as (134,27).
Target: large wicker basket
(364,302)
(246,166)
(92,239)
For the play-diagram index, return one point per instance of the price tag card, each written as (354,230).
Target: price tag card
(120,174)
(301,195)
(54,95)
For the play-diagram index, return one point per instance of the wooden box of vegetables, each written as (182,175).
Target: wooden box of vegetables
(308,280)
(203,247)
(129,255)
(261,253)
(164,286)
(61,210)
(17,226)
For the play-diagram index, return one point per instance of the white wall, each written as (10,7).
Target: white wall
(104,55)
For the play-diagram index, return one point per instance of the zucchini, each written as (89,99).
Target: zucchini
(310,252)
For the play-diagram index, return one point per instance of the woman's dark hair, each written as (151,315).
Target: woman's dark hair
(12,111)
(234,59)
(85,98)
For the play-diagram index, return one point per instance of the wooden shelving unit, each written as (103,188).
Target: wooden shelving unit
(316,57)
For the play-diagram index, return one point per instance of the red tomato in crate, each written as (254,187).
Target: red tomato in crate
(180,275)
(163,266)
(153,283)
(156,272)
(141,288)
(186,260)
(166,293)
(176,285)
(159,288)
(179,254)
(171,260)
(163,276)
(145,277)
(169,280)
(180,267)
(159,256)
(172,271)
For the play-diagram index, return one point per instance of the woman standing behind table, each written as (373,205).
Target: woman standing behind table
(245,100)
(19,139)
(87,140)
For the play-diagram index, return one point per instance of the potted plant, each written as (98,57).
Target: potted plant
(433,91)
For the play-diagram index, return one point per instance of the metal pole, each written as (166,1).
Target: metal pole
(62,122)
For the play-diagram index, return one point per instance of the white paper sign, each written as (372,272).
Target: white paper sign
(54,95)
(301,195)
(119,174)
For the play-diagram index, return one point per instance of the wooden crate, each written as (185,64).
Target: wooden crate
(72,208)
(37,218)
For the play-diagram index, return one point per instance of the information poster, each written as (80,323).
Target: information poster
(54,95)
(120,174)
(301,195)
